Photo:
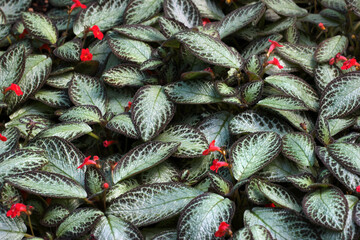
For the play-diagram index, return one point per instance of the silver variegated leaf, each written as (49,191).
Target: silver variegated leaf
(254,65)
(20,161)
(94,180)
(114,228)
(192,141)
(286,8)
(302,181)
(84,113)
(278,26)
(151,111)
(47,184)
(282,224)
(337,125)
(251,92)
(140,10)
(347,154)
(259,232)
(141,32)
(349,138)
(11,228)
(152,203)
(13,8)
(323,131)
(170,27)
(100,51)
(69,51)
(201,45)
(243,234)
(118,99)
(356,213)
(54,215)
(325,73)
(279,169)
(142,158)
(120,188)
(105,16)
(335,4)
(326,207)
(253,152)
(259,45)
(85,90)
(183,11)
(221,185)
(328,48)
(22,124)
(239,18)
(40,26)
(164,172)
(151,64)
(68,131)
(224,89)
(122,124)
(166,235)
(209,9)
(285,103)
(341,96)
(61,81)
(78,223)
(253,192)
(193,92)
(53,97)
(354,5)
(295,87)
(250,122)
(203,215)
(12,134)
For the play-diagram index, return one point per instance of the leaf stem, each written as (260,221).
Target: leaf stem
(91,134)
(31,228)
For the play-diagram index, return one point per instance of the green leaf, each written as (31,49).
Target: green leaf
(68,131)
(347,154)
(9,194)
(253,192)
(243,234)
(328,48)
(53,98)
(105,16)
(118,99)
(253,152)
(54,215)
(325,73)
(141,32)
(279,169)
(122,124)
(120,188)
(21,123)
(286,8)
(341,96)
(337,125)
(192,141)
(61,81)
(302,181)
(251,122)
(13,8)
(149,204)
(193,92)
(128,49)
(296,87)
(140,10)
(47,184)
(259,232)
(323,131)
(94,180)
(11,228)
(166,235)
(40,26)
(85,90)
(183,11)
(201,44)
(170,27)
(239,18)
(84,113)
(209,9)
(151,111)
(220,184)
(126,75)
(142,158)
(251,92)
(335,4)
(207,211)
(114,228)
(354,5)
(326,207)
(278,26)
(78,223)
(69,51)
(164,172)
(225,90)
(283,103)
(282,224)
(259,45)
(12,134)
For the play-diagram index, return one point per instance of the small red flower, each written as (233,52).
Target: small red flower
(209,70)
(87,161)
(205,21)
(222,230)
(14,87)
(349,63)
(337,58)
(358,189)
(216,165)
(3,138)
(212,148)
(96,31)
(107,143)
(270,205)
(22,35)
(276,62)
(273,45)
(45,47)
(129,104)
(16,210)
(76,4)
(105,185)
(85,55)
(322,27)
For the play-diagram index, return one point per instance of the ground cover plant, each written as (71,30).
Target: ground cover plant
(179,119)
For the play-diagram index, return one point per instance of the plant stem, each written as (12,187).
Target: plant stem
(91,134)
(31,228)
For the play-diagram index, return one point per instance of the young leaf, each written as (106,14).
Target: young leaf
(11,228)
(12,134)
(40,26)
(201,44)
(47,184)
(225,90)
(183,11)
(120,188)
(280,102)
(84,113)
(323,131)
(209,9)
(348,154)
(325,73)
(220,184)
(326,207)
(68,131)
(53,97)
(337,125)
(164,172)
(152,203)
(69,51)
(170,27)
(302,181)
(207,211)
(54,215)
(192,141)
(251,92)
(328,48)
(286,8)
(141,32)
(253,152)
(122,124)
(259,45)
(142,158)
(140,10)
(151,111)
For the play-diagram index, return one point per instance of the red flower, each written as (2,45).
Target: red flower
(87,161)
(45,47)
(212,148)
(358,189)
(275,62)
(273,45)
(107,143)
(205,21)
(85,55)
(337,58)
(22,35)
(322,27)
(14,87)
(3,138)
(129,104)
(76,4)
(105,185)
(216,165)
(349,63)
(16,210)
(270,205)
(209,70)
(96,31)
(222,230)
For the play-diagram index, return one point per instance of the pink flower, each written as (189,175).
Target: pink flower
(16,210)
(212,148)
(273,45)
(14,87)
(337,58)
(205,21)
(87,161)
(276,62)
(222,230)
(216,165)
(322,27)
(85,55)
(76,4)
(349,63)
(3,138)
(107,143)
(96,31)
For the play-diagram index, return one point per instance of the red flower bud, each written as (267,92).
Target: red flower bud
(14,87)
(105,185)
(273,45)
(3,138)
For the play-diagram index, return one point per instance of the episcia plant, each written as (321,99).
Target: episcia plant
(179,119)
